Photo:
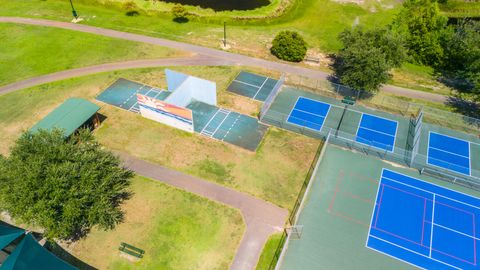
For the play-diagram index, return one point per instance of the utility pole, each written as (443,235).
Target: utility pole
(224,34)
(74,12)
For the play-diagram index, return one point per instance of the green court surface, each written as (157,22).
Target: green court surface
(346,121)
(226,125)
(122,93)
(252,85)
(337,213)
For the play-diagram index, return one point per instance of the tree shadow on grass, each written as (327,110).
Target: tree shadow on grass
(132,13)
(465,107)
(181,20)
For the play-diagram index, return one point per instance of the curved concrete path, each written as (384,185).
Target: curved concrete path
(262,218)
(72,73)
(226,56)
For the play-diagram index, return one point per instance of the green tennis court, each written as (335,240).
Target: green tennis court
(252,85)
(335,219)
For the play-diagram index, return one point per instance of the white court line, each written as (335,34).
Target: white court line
(448,152)
(376,131)
(375,116)
(295,105)
(415,252)
(430,192)
(266,79)
(430,134)
(395,258)
(233,124)
(226,116)
(246,83)
(455,231)
(208,123)
(374,206)
(443,168)
(431,227)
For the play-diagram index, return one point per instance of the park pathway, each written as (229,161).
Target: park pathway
(214,53)
(261,218)
(196,60)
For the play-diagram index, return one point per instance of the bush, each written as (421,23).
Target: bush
(129,6)
(179,11)
(289,46)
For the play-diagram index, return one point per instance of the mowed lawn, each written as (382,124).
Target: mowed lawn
(319,21)
(27,51)
(275,172)
(178,230)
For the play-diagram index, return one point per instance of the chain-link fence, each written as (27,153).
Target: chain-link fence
(390,104)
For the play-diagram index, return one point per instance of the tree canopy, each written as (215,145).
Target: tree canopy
(421,22)
(461,46)
(289,46)
(367,56)
(65,186)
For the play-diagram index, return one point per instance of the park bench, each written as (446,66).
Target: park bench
(349,100)
(131,250)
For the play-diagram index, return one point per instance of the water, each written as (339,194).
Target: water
(223,5)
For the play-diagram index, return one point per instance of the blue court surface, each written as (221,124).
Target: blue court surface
(425,225)
(309,113)
(377,132)
(449,153)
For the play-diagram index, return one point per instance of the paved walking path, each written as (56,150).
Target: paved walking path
(196,60)
(227,56)
(262,218)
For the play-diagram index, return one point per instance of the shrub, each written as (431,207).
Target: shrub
(289,46)
(179,11)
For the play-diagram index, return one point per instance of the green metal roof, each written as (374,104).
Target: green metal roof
(8,234)
(30,255)
(69,116)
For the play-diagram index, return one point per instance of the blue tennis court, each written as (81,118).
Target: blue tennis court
(309,113)
(449,153)
(377,132)
(425,225)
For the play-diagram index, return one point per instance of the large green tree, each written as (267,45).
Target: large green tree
(367,56)
(65,186)
(461,46)
(421,22)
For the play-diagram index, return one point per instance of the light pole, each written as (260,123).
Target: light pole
(225,34)
(74,12)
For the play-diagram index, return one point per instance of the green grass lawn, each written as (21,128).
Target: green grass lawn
(274,173)
(177,230)
(29,51)
(420,78)
(268,251)
(319,21)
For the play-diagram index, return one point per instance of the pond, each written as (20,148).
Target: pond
(223,5)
